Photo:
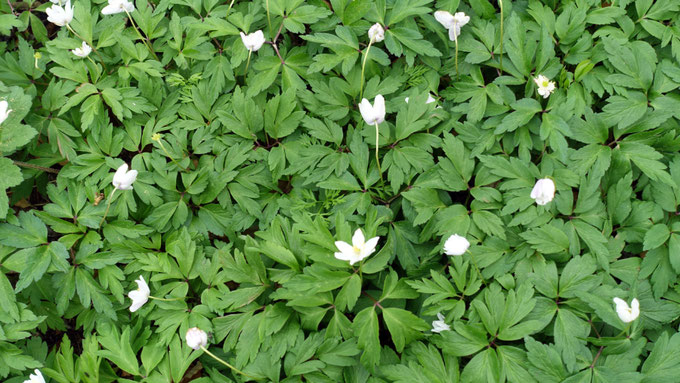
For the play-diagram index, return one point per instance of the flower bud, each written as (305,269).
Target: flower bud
(376,33)
(625,312)
(196,338)
(544,191)
(456,245)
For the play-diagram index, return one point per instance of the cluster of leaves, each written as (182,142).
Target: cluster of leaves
(264,162)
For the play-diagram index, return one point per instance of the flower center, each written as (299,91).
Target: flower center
(356,249)
(545,84)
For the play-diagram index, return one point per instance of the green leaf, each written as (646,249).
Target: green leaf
(547,239)
(403,326)
(279,118)
(674,251)
(570,334)
(663,365)
(524,110)
(117,349)
(11,176)
(625,110)
(464,339)
(484,367)
(546,363)
(656,236)
(646,158)
(32,232)
(365,327)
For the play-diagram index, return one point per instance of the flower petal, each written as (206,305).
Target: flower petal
(379,108)
(344,247)
(358,239)
(369,247)
(445,18)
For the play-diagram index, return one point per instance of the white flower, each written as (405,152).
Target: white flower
(60,16)
(253,41)
(376,33)
(83,50)
(358,250)
(452,22)
(123,178)
(626,313)
(544,191)
(35,378)
(374,114)
(456,245)
(545,86)
(430,99)
(440,325)
(196,338)
(118,6)
(139,296)
(4,111)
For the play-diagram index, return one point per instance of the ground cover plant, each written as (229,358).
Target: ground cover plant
(340,191)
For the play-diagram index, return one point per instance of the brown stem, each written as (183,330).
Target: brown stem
(597,356)
(375,301)
(37,167)
(278,33)
(276,49)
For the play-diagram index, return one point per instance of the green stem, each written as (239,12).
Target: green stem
(361,280)
(500,3)
(474,263)
(377,143)
(108,206)
(170,157)
(90,44)
(250,52)
(229,9)
(225,363)
(456,41)
(625,330)
(269,21)
(166,299)
(93,63)
(363,65)
(139,33)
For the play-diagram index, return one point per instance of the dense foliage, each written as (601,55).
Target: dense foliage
(253,160)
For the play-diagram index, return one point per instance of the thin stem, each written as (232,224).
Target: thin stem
(90,44)
(500,3)
(229,9)
(456,41)
(93,63)
(250,52)
(269,20)
(170,157)
(139,33)
(363,65)
(225,363)
(276,49)
(474,263)
(597,356)
(9,2)
(166,299)
(278,33)
(361,279)
(108,206)
(37,167)
(625,331)
(377,143)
